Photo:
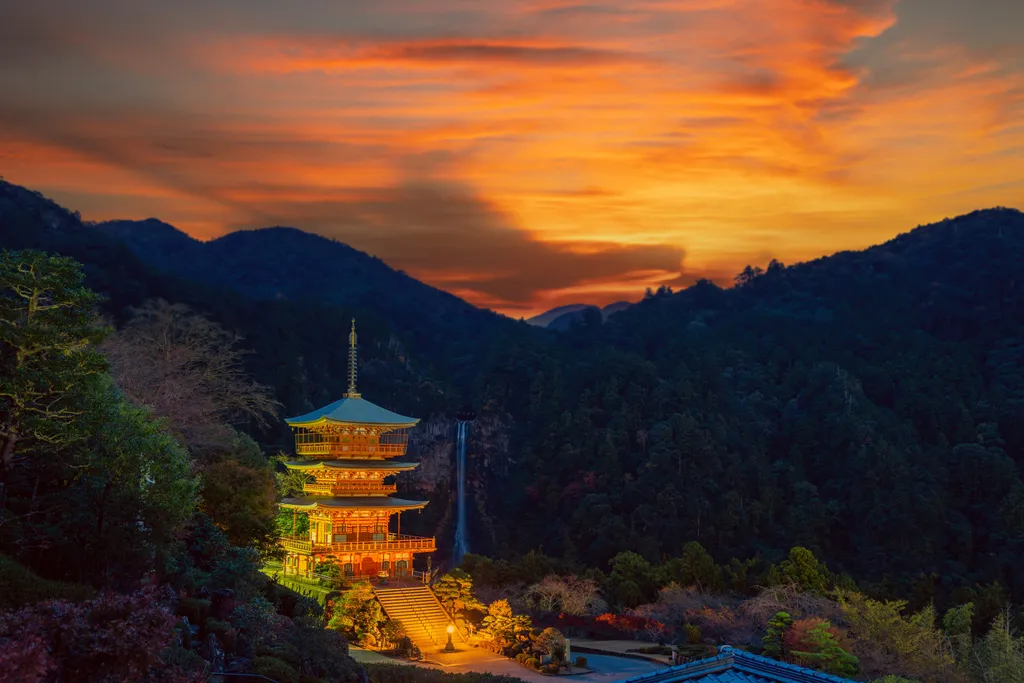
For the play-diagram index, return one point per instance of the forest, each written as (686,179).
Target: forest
(866,406)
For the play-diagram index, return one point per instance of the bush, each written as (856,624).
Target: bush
(693,634)
(533,663)
(195,609)
(186,634)
(274,668)
(549,669)
(397,673)
(224,631)
(581,662)
(20,586)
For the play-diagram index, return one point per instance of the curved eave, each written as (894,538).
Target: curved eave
(355,503)
(297,422)
(376,465)
(353,410)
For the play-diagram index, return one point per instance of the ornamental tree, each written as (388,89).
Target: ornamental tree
(47,334)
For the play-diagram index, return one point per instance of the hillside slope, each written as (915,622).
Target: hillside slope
(868,405)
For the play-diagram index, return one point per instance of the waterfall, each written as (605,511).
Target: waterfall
(461,533)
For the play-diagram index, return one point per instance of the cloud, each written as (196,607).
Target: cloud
(522,153)
(446,234)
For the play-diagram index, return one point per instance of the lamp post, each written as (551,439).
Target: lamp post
(449,646)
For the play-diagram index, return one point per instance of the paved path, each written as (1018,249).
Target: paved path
(604,668)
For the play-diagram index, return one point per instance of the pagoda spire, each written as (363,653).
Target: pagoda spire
(352,363)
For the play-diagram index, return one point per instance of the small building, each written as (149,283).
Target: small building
(349,447)
(736,666)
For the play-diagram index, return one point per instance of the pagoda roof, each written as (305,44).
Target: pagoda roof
(374,502)
(353,410)
(736,666)
(341,464)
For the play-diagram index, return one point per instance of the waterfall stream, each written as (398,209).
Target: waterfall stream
(461,533)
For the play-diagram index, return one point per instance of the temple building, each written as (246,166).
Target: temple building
(736,666)
(349,449)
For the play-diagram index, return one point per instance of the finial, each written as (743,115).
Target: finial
(352,362)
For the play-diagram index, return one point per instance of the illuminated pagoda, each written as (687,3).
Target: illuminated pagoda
(348,448)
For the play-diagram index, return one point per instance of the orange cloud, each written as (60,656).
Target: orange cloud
(527,154)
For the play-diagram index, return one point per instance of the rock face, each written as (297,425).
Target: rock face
(432,443)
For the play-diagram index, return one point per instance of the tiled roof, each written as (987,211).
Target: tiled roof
(375,465)
(737,666)
(353,411)
(375,502)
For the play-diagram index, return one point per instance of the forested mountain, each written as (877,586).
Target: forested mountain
(285,264)
(867,405)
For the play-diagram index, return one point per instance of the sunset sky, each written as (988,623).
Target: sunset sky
(523,154)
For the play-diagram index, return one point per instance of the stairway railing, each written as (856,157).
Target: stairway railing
(416,610)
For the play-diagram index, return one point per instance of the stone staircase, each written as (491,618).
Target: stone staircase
(421,614)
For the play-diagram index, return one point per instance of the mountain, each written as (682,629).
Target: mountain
(285,264)
(562,317)
(545,318)
(611,309)
(868,405)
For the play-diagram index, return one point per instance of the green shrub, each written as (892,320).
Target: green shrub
(398,673)
(196,609)
(581,662)
(186,634)
(532,662)
(224,631)
(549,669)
(274,668)
(693,634)
(20,586)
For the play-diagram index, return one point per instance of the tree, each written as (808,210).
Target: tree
(131,491)
(47,333)
(774,640)
(815,642)
(188,369)
(748,275)
(357,613)
(506,628)
(112,638)
(455,591)
(632,579)
(239,494)
(999,656)
(550,641)
(803,570)
(956,623)
(888,642)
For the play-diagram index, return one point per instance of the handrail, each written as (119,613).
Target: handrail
(352,487)
(330,448)
(416,611)
(451,617)
(394,542)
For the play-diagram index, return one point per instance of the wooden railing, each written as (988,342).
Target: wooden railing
(393,542)
(349,488)
(388,450)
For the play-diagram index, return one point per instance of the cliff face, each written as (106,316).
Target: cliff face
(432,443)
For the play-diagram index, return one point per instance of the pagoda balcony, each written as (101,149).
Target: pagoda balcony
(339,450)
(393,542)
(349,488)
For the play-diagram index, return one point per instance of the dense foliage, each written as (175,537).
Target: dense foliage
(109,568)
(868,406)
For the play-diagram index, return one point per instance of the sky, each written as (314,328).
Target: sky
(527,154)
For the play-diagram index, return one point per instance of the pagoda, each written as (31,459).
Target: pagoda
(348,448)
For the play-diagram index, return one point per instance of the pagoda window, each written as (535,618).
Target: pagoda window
(401,568)
(384,565)
(347,569)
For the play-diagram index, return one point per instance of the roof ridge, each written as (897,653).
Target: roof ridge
(730,658)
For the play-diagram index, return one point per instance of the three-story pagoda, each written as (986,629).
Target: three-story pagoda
(349,446)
